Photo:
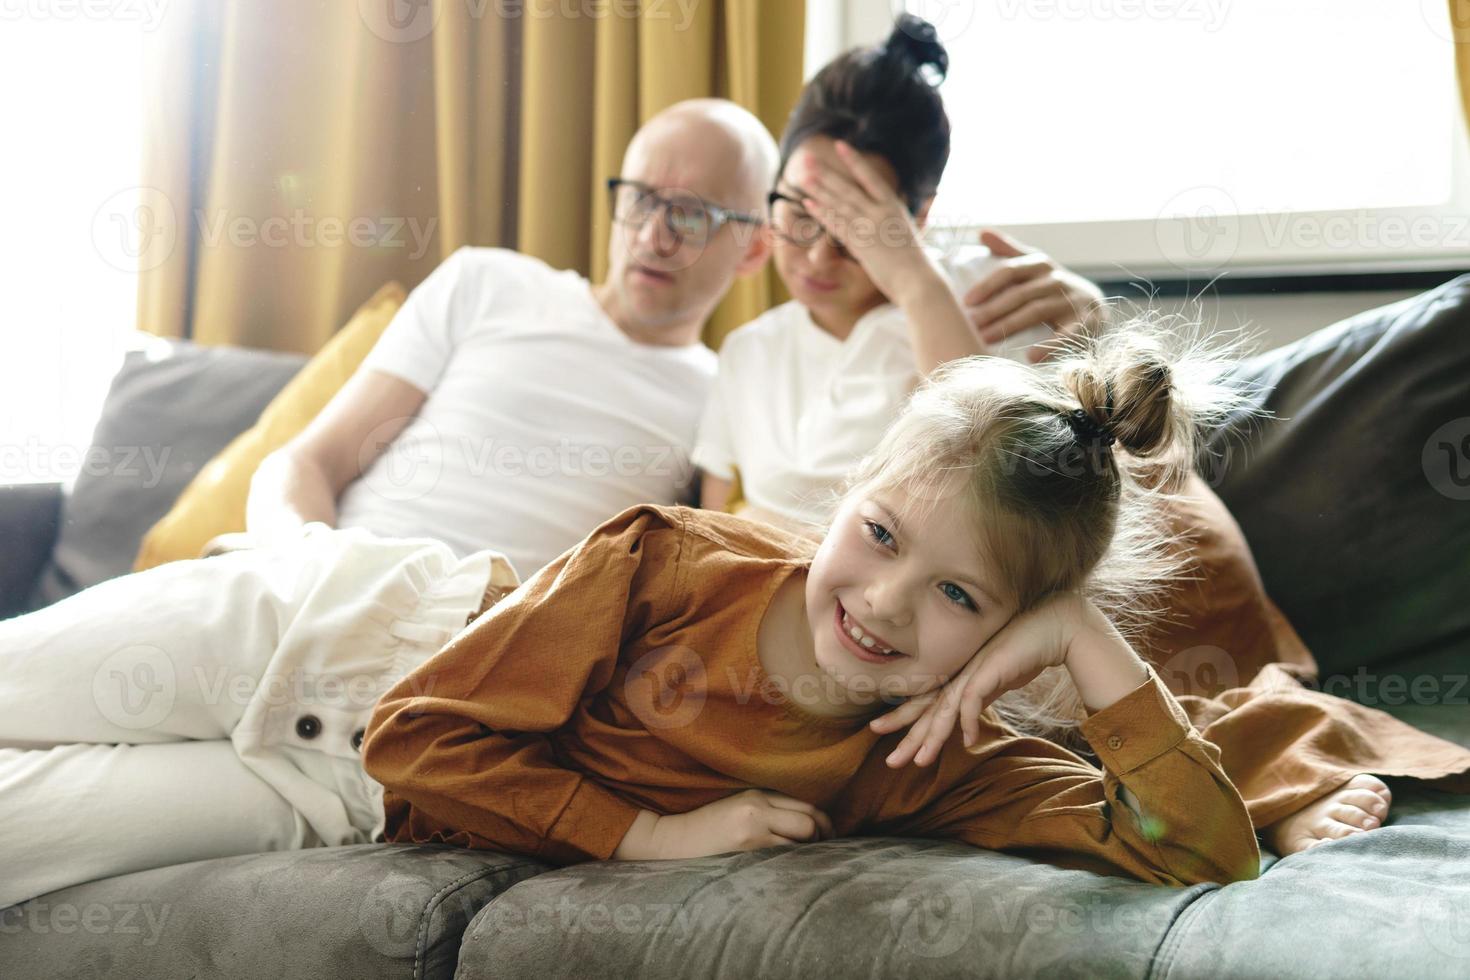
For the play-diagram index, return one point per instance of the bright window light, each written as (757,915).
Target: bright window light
(72,119)
(1224,133)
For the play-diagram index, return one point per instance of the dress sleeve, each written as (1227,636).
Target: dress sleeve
(1162,810)
(462,745)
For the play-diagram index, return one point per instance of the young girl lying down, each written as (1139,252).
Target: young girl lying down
(687,683)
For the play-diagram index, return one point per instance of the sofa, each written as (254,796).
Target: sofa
(1354,491)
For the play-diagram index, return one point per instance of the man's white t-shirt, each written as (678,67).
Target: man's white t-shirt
(543,418)
(795,409)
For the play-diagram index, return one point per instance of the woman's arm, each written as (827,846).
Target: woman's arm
(939,330)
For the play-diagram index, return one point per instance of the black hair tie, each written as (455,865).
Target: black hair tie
(1088,429)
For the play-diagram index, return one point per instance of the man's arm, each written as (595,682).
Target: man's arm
(301,481)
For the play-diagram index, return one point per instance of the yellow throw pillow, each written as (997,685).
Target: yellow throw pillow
(214,501)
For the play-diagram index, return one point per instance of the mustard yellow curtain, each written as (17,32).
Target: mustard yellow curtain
(300,155)
(1460,26)
(307,153)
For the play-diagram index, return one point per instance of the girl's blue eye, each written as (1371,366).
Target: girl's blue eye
(957,595)
(878,533)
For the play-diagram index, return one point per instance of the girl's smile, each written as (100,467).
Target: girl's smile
(863,643)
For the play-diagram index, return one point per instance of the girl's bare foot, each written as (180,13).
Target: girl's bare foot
(1357,805)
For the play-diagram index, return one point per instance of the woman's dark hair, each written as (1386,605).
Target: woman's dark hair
(883,100)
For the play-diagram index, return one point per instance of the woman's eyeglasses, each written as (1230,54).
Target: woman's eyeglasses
(686,216)
(795,225)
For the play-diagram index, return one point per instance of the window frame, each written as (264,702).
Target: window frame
(1348,243)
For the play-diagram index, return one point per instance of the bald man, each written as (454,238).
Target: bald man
(515,407)
(216,707)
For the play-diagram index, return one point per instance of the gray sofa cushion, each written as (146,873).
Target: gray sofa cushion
(1394,902)
(29,514)
(1350,497)
(170,409)
(344,912)
(875,907)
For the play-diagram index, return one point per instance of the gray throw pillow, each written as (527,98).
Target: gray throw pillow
(1355,497)
(163,419)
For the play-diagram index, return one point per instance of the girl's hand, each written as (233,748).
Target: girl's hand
(1012,658)
(746,821)
(870,220)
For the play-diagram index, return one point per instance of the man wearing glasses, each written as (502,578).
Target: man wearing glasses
(516,407)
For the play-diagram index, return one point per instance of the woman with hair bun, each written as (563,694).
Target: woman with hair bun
(806,389)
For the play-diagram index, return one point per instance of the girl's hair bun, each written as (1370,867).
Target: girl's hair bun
(916,44)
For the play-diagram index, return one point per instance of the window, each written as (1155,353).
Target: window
(1157,136)
(72,119)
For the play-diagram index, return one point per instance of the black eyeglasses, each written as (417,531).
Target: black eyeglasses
(799,228)
(685,215)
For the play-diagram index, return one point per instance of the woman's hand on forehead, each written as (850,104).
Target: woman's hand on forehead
(867,217)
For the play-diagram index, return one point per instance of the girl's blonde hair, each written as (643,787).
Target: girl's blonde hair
(1057,505)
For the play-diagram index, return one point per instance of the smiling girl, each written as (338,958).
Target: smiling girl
(688,683)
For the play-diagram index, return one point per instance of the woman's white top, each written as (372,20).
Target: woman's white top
(794,408)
